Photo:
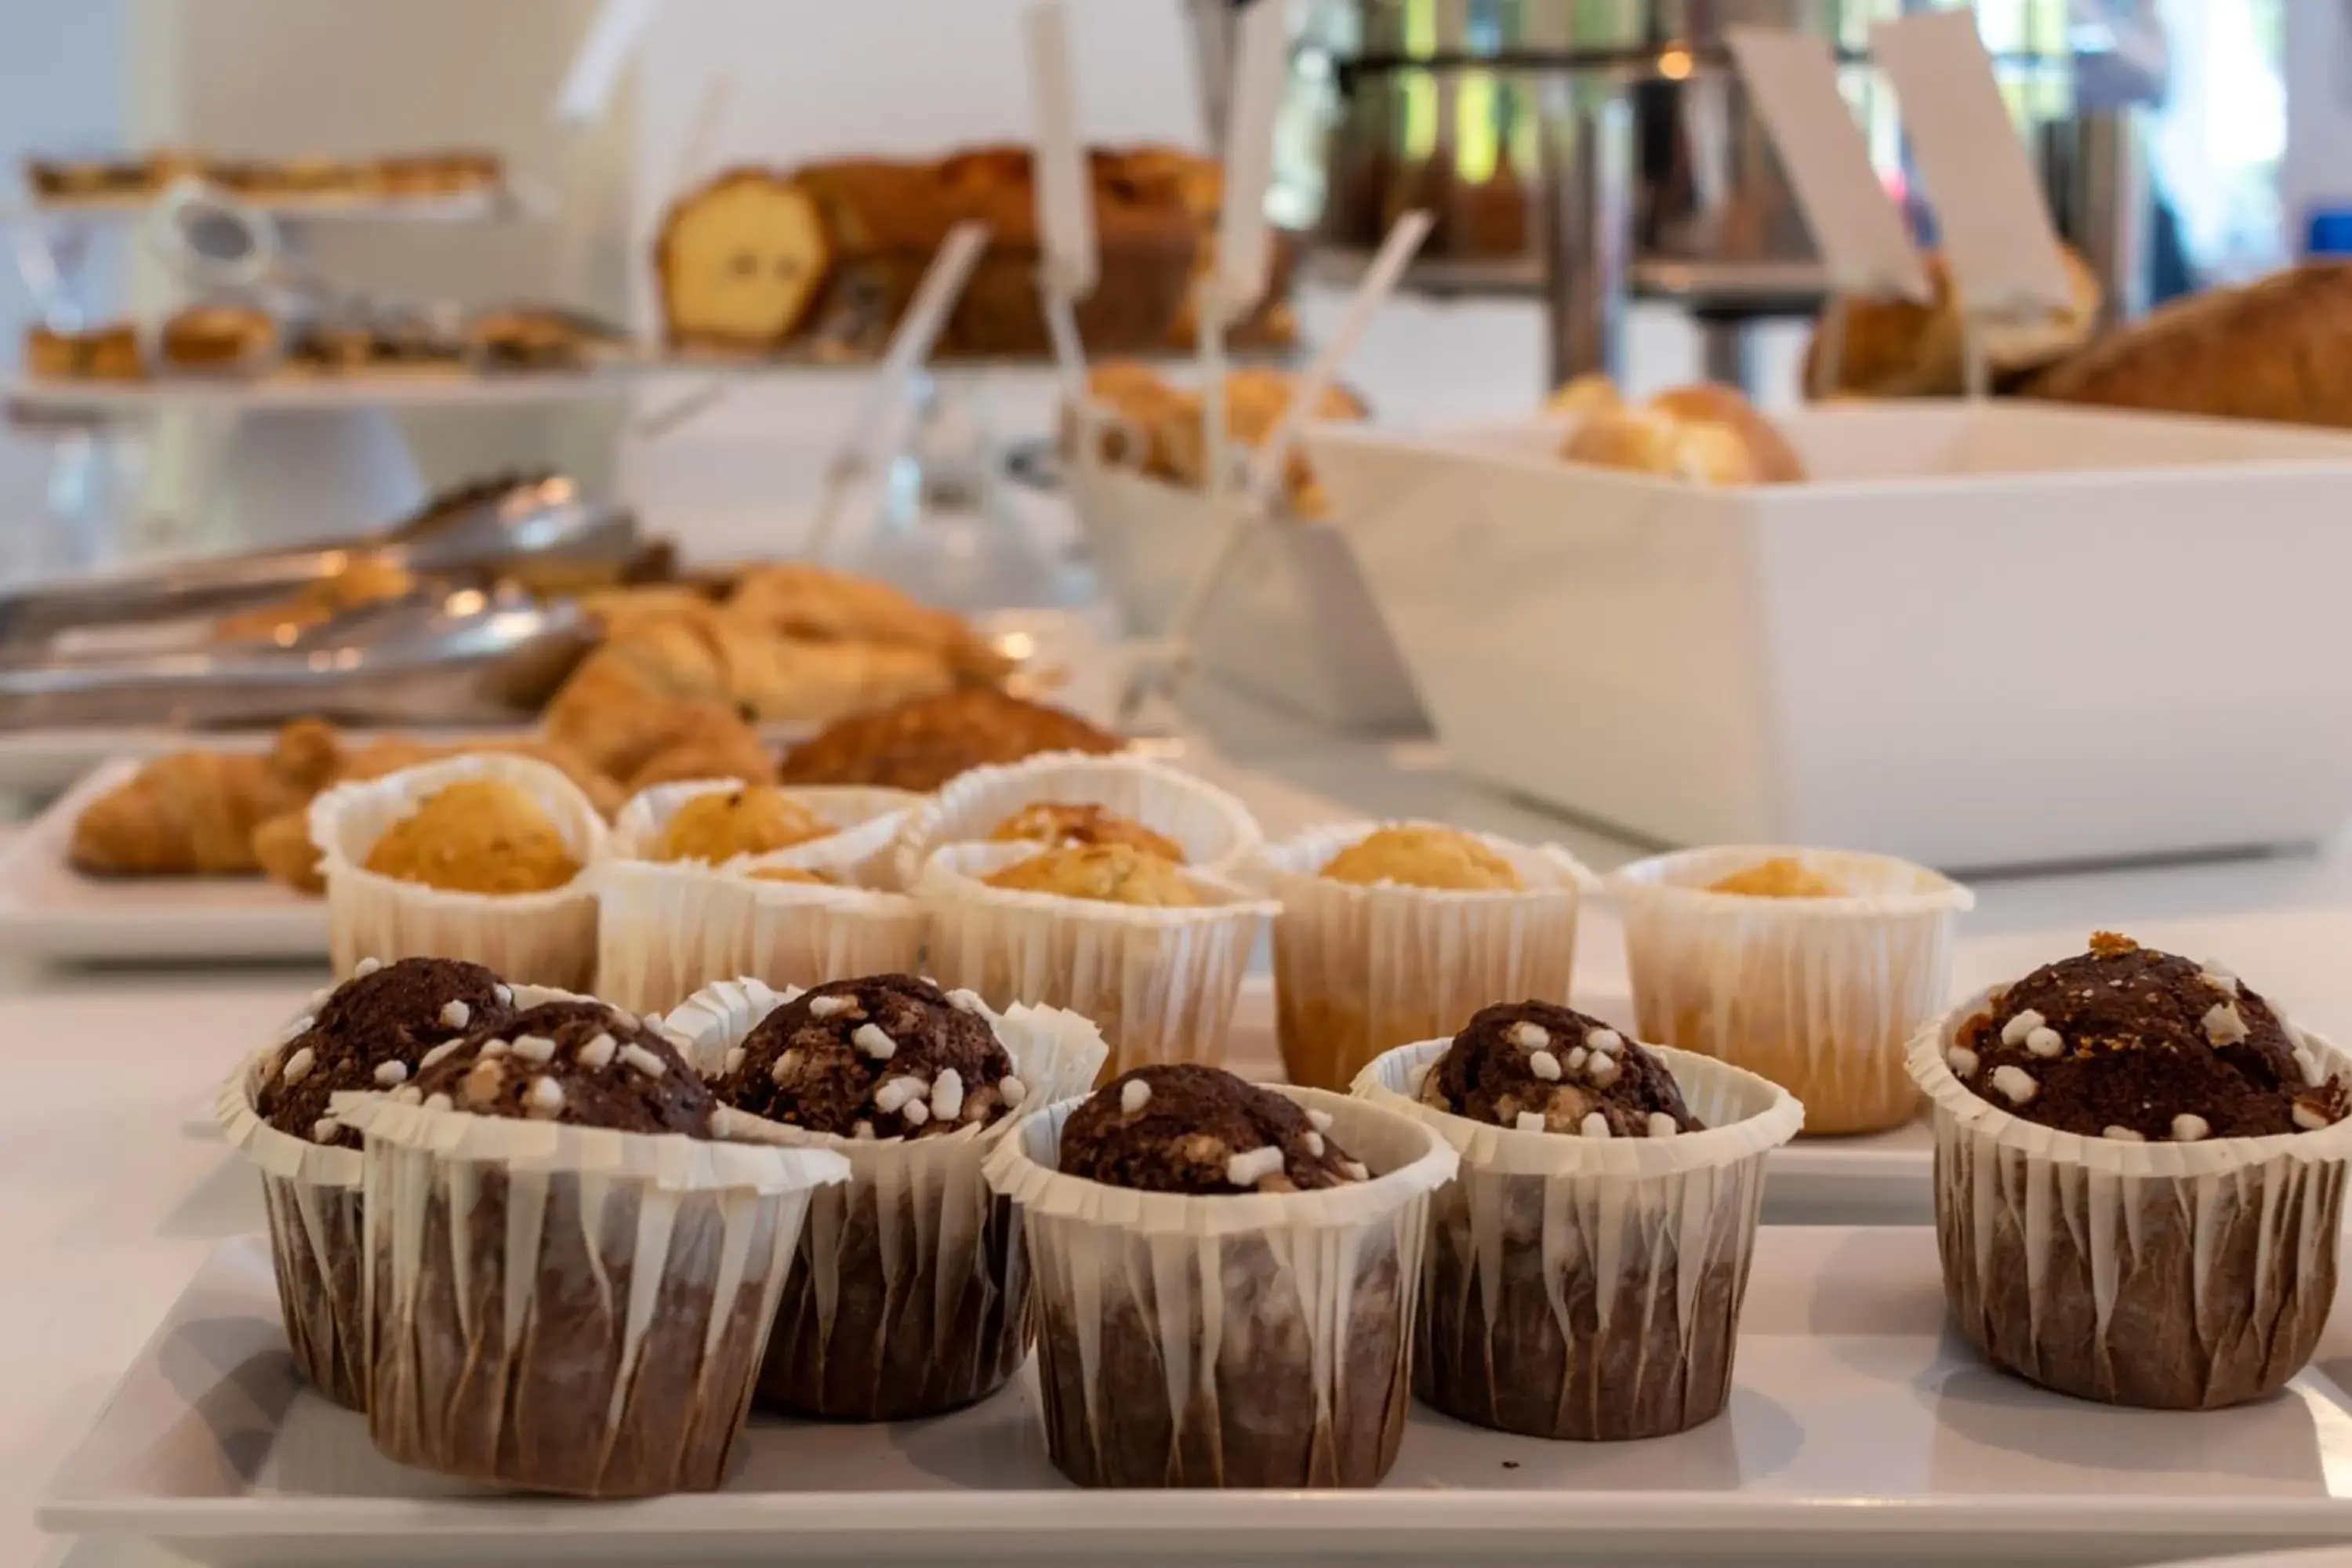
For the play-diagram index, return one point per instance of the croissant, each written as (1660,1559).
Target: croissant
(808,603)
(711,743)
(194,813)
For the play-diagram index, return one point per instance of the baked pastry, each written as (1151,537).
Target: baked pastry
(478,835)
(808,603)
(1586,1267)
(2196,1142)
(1178,1344)
(740,262)
(219,339)
(194,813)
(369,1033)
(1391,933)
(723,824)
(1110,873)
(531,338)
(450,173)
(1746,956)
(110,352)
(1901,348)
(488,1159)
(1062,824)
(921,744)
(910,1296)
(1705,434)
(1589,394)
(2258,351)
(1161,429)
(1423,856)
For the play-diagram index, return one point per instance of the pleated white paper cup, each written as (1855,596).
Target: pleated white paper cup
(1590,1288)
(1259,1340)
(2176,1276)
(543,939)
(1360,969)
(666,928)
(1217,831)
(1820,995)
(911,1297)
(569,1309)
(312,1193)
(1161,983)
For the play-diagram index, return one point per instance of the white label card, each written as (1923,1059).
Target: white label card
(1995,233)
(1261,70)
(1856,226)
(1065,213)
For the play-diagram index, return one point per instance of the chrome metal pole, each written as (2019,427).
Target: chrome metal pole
(1588,168)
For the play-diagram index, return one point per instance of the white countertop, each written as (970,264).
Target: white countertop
(107,1204)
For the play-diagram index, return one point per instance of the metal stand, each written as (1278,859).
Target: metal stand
(1587,161)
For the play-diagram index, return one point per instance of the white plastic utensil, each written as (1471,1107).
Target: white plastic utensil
(1065,216)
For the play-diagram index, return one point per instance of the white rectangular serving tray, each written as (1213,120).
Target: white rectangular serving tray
(1291,620)
(1982,636)
(48,909)
(1859,1431)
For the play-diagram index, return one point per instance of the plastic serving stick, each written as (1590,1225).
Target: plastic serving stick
(1255,504)
(1065,213)
(910,346)
(1866,249)
(1998,239)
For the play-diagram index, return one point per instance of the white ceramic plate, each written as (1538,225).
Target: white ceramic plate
(1858,1431)
(48,909)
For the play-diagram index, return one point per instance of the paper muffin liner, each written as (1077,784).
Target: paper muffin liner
(666,928)
(545,939)
(911,1294)
(312,1197)
(1217,831)
(1161,983)
(1590,1288)
(569,1308)
(1360,969)
(2176,1276)
(1820,995)
(1260,1340)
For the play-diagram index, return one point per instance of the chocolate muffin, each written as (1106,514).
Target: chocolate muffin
(1536,1066)
(1198,1353)
(1184,1128)
(1588,1285)
(578,1062)
(888,1056)
(905,1300)
(373,1032)
(2127,1043)
(2139,1179)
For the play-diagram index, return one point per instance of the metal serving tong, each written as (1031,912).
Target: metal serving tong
(438,657)
(473,530)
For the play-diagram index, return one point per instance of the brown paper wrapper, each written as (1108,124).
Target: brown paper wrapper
(1253,1340)
(2175,1276)
(1587,1288)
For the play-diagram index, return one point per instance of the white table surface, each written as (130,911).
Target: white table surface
(107,1206)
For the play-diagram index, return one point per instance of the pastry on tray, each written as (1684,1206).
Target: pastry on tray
(2259,350)
(575,1273)
(194,813)
(373,1032)
(219,339)
(921,744)
(1904,348)
(1144,422)
(109,352)
(910,1296)
(535,338)
(1392,932)
(1183,1341)
(478,857)
(2194,1139)
(1586,1267)
(1812,968)
(1152,952)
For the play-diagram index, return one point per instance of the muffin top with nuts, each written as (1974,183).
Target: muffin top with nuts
(1105,873)
(369,1033)
(1413,855)
(1063,822)
(885,1057)
(579,1062)
(1184,1127)
(1536,1066)
(476,836)
(722,824)
(2127,1043)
